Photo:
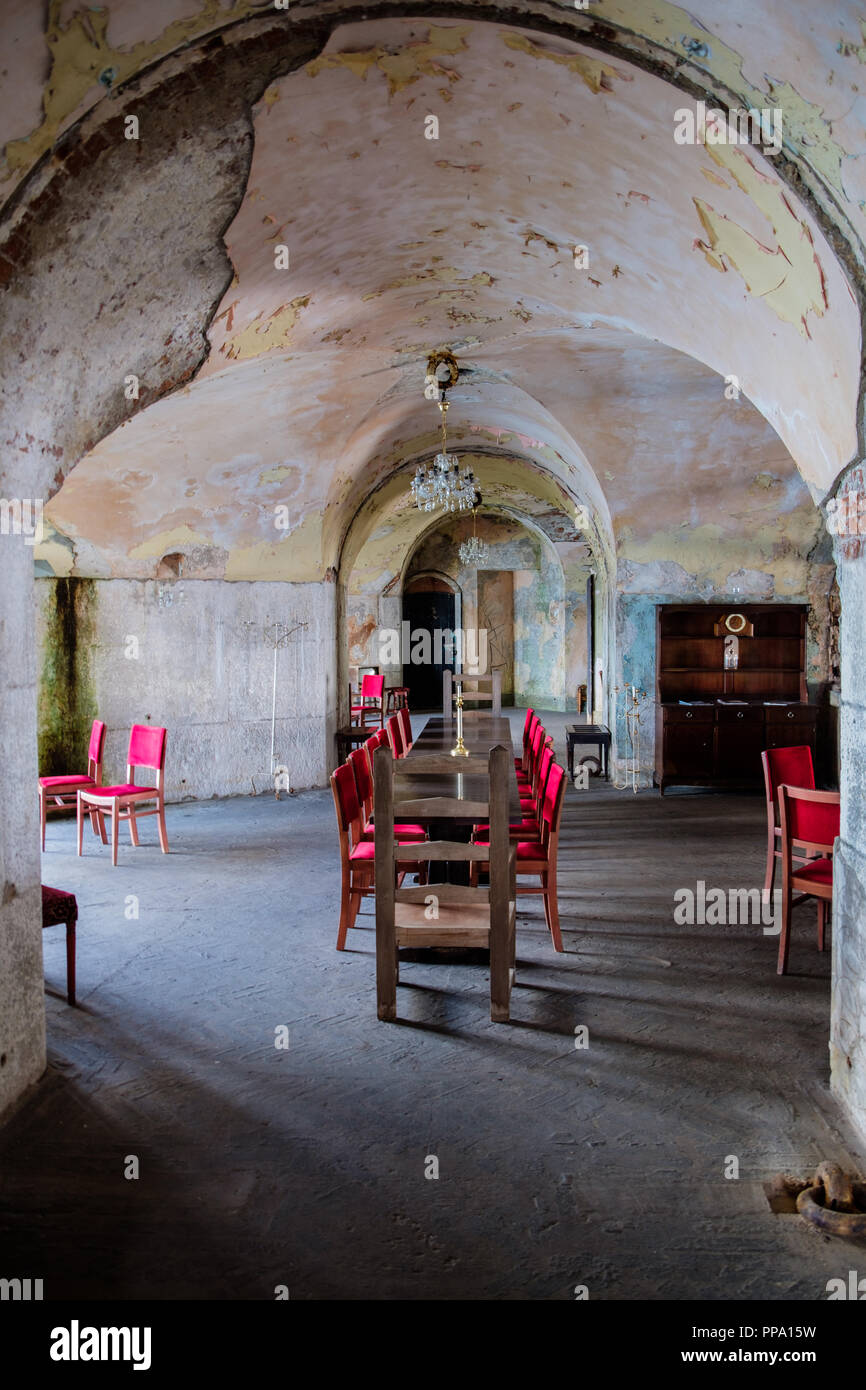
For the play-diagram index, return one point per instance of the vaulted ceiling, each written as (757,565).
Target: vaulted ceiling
(604,382)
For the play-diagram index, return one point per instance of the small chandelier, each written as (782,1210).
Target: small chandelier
(443,484)
(473,551)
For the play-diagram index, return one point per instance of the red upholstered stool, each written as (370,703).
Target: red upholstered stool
(58,906)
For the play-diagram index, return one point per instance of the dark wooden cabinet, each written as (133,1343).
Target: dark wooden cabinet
(713,720)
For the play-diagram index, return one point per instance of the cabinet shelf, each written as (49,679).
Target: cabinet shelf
(715,744)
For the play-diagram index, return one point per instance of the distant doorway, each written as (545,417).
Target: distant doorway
(428,608)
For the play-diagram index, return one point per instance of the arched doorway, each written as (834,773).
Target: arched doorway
(430,604)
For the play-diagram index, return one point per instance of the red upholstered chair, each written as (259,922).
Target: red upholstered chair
(518,762)
(122,802)
(395,736)
(369,712)
(406,726)
(63,790)
(538,857)
(359,761)
(58,906)
(529,827)
(811,820)
(357,855)
(793,767)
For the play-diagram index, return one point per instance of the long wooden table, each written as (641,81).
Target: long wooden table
(481,732)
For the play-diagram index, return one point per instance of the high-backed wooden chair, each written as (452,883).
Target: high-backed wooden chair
(63,790)
(538,857)
(793,767)
(369,711)
(357,851)
(459,915)
(125,800)
(810,820)
(477,690)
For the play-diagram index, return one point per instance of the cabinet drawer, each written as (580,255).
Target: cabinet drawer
(794,714)
(693,714)
(740,714)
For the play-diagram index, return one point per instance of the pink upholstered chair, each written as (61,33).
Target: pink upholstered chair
(122,802)
(810,820)
(370,710)
(793,767)
(63,791)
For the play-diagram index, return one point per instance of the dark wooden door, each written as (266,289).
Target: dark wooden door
(430,613)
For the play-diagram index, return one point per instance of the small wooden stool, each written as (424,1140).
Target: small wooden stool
(58,906)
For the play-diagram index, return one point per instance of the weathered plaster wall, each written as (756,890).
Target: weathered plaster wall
(22,1013)
(848,1023)
(205,670)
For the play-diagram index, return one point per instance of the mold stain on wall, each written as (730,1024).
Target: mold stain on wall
(67,703)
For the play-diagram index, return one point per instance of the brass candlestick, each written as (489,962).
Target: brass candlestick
(460,750)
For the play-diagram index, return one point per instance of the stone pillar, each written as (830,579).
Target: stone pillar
(22,1011)
(847,520)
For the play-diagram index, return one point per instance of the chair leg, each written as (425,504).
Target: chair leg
(42,816)
(163,835)
(785,934)
(552,910)
(133,827)
(822,921)
(80,818)
(344,911)
(70,962)
(770,874)
(115,827)
(94,824)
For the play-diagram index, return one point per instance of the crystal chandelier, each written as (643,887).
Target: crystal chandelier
(443,484)
(473,551)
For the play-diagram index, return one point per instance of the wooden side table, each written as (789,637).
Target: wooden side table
(598,734)
(349,737)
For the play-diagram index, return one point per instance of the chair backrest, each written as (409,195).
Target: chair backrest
(146,749)
(375,741)
(551,808)
(791,766)
(457,900)
(347,806)
(480,689)
(372,687)
(527,725)
(809,817)
(360,763)
(95,750)
(395,737)
(544,767)
(536,744)
(405,725)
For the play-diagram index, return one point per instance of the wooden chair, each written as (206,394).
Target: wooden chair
(59,906)
(63,790)
(406,726)
(396,698)
(369,712)
(463,916)
(124,801)
(359,761)
(810,820)
(793,767)
(357,853)
(538,857)
(476,689)
(395,736)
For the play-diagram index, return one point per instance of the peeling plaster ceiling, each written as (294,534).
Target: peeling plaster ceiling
(609,378)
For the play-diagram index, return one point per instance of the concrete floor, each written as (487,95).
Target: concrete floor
(306,1167)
